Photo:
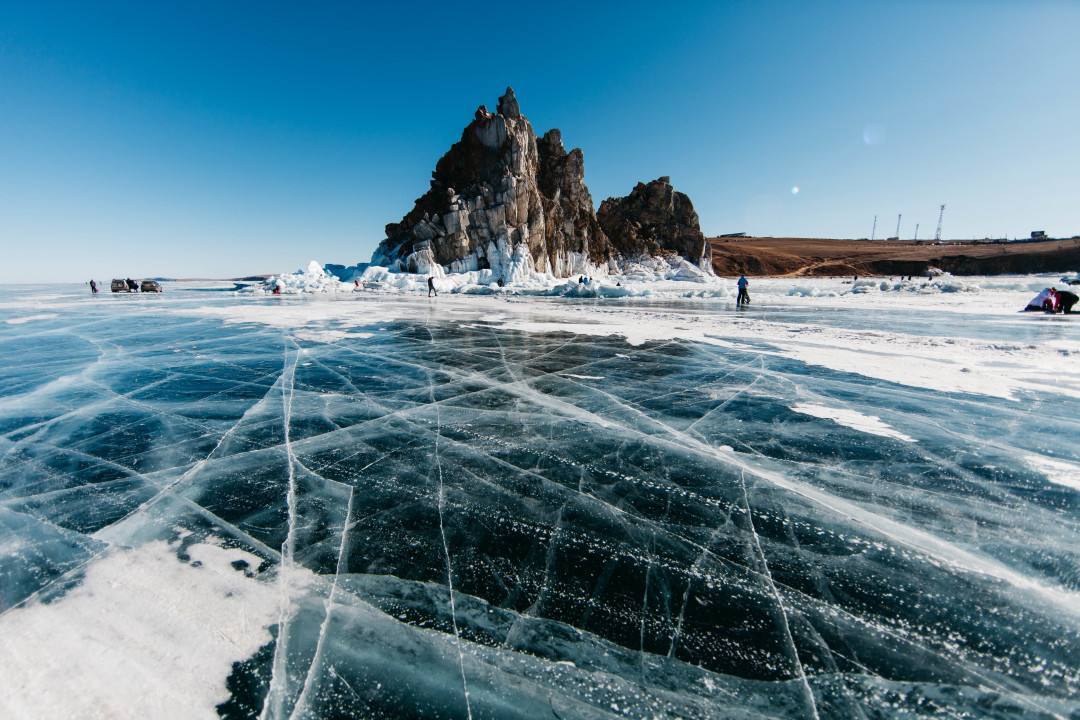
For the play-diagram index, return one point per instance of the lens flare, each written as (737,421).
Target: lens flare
(873,134)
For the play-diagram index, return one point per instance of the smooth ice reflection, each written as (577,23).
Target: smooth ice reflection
(450,515)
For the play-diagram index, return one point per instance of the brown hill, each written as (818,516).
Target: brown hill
(824,257)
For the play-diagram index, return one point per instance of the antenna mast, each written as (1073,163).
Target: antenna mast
(916,232)
(941,214)
(898,225)
(872,232)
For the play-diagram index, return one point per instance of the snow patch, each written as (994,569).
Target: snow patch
(1060,472)
(30,318)
(852,419)
(146,635)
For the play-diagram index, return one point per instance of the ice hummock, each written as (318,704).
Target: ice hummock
(639,277)
(940,282)
(310,279)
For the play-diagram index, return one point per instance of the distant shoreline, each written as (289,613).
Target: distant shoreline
(837,257)
(833,257)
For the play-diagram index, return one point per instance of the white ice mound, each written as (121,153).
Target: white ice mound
(665,267)
(811,291)
(382,279)
(941,283)
(594,289)
(664,276)
(948,283)
(642,277)
(313,279)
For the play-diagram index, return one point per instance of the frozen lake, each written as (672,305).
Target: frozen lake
(849,505)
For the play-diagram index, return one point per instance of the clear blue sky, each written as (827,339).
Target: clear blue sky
(221,139)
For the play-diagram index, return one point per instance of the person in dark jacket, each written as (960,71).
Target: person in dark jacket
(1066,300)
(744,296)
(93,286)
(431,286)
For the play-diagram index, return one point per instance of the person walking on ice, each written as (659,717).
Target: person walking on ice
(744,296)
(431,286)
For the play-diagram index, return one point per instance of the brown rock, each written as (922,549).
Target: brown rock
(498,200)
(502,199)
(653,218)
(570,222)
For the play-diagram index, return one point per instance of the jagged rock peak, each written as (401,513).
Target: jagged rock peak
(508,104)
(553,138)
(653,218)
(500,199)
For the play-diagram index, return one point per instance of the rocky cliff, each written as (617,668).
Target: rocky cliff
(503,200)
(570,225)
(653,218)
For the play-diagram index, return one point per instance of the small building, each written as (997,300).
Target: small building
(1038,234)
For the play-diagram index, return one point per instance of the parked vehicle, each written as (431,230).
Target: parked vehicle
(152,286)
(119,286)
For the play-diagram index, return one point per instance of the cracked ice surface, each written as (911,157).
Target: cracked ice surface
(480,508)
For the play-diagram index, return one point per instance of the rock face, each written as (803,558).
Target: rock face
(653,218)
(570,221)
(502,200)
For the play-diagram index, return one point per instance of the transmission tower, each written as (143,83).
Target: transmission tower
(872,232)
(941,214)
